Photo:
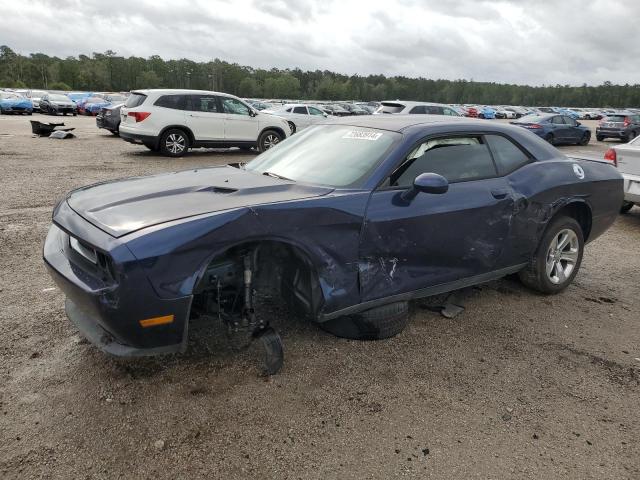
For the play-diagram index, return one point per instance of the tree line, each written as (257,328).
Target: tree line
(110,72)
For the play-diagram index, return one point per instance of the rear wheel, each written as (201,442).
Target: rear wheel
(558,258)
(292,127)
(375,324)
(586,138)
(268,139)
(630,136)
(600,138)
(174,143)
(626,206)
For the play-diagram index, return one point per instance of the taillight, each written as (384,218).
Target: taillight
(534,125)
(611,156)
(139,116)
(627,121)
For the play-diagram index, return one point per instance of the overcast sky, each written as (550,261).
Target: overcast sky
(508,41)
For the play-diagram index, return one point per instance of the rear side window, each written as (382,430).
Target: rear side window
(557,120)
(302,110)
(203,103)
(135,100)
(388,107)
(176,102)
(507,155)
(458,159)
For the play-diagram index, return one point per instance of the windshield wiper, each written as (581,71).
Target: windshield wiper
(275,175)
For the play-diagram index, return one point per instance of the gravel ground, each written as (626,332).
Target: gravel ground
(517,386)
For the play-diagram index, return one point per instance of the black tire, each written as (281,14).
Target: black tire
(115,132)
(375,324)
(587,117)
(292,127)
(268,139)
(626,206)
(586,138)
(600,138)
(550,138)
(630,136)
(174,143)
(535,275)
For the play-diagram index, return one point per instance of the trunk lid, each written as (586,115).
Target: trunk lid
(628,158)
(121,207)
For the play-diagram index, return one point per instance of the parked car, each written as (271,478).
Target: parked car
(298,115)
(109,118)
(334,109)
(556,129)
(35,96)
(14,103)
(424,108)
(486,113)
(85,105)
(503,112)
(354,109)
(259,105)
(173,121)
(55,103)
(624,126)
(626,158)
(343,242)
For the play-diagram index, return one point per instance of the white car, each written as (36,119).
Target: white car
(172,121)
(35,96)
(425,108)
(626,158)
(504,112)
(298,115)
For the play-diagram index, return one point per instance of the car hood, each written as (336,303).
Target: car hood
(121,207)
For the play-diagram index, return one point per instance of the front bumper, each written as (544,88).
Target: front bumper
(107,310)
(631,188)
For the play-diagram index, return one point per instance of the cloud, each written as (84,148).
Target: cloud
(505,41)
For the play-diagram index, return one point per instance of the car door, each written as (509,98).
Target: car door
(574,134)
(240,125)
(316,115)
(300,117)
(560,129)
(204,117)
(436,239)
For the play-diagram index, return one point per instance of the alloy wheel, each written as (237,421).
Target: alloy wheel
(562,256)
(175,143)
(271,140)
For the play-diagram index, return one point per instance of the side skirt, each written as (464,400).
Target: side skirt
(423,292)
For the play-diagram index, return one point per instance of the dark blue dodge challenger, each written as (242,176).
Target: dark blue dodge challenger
(346,222)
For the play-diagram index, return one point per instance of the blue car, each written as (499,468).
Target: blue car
(556,129)
(487,113)
(420,206)
(14,103)
(93,105)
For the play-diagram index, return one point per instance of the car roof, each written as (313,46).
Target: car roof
(169,91)
(398,123)
(411,103)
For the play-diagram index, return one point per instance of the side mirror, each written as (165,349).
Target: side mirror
(252,112)
(578,124)
(426,183)
(325,115)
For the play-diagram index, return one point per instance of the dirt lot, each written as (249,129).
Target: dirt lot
(517,386)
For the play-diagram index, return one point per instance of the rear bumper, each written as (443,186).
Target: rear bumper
(107,123)
(611,133)
(109,312)
(139,139)
(631,188)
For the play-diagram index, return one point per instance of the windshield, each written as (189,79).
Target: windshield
(95,100)
(115,98)
(333,155)
(59,98)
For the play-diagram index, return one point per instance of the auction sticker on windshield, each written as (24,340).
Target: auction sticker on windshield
(362,135)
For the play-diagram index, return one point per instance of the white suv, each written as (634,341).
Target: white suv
(172,121)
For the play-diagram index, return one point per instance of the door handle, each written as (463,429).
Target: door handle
(499,193)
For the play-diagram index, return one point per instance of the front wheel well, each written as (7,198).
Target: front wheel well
(279,269)
(278,130)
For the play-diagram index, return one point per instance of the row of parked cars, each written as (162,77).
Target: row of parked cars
(53,103)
